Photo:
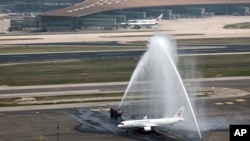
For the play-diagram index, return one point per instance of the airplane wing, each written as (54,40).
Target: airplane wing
(153,125)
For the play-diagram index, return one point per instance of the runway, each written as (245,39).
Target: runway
(43,57)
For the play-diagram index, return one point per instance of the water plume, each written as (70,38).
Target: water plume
(156,83)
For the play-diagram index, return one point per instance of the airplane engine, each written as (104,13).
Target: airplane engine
(147,129)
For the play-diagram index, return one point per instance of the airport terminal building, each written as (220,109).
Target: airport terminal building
(72,15)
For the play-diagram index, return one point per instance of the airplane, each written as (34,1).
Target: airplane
(15,14)
(147,124)
(138,23)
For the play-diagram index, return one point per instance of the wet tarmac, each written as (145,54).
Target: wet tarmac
(94,123)
(99,121)
(214,117)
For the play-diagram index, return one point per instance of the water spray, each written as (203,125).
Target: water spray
(185,92)
(157,66)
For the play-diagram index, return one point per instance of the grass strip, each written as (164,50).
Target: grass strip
(215,41)
(118,69)
(94,70)
(52,103)
(245,25)
(11,102)
(5,102)
(204,41)
(77,96)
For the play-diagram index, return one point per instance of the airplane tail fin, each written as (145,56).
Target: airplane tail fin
(159,18)
(180,112)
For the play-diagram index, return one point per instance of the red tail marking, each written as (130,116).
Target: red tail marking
(179,114)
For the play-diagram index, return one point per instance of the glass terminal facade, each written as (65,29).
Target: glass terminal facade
(108,20)
(18,6)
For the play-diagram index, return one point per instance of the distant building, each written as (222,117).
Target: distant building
(70,15)
(17,6)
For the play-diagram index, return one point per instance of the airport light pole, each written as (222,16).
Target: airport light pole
(2,24)
(226,7)
(57,132)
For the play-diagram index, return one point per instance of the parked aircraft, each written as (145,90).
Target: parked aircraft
(138,23)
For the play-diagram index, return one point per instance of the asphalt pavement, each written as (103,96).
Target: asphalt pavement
(43,57)
(213,118)
(40,122)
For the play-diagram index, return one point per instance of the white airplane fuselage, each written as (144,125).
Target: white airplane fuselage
(138,23)
(149,122)
(142,23)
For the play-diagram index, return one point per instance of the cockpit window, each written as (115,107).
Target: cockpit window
(121,123)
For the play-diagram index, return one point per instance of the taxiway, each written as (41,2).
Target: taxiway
(43,57)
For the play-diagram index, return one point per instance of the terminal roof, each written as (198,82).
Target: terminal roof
(93,6)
